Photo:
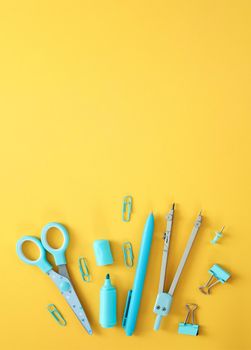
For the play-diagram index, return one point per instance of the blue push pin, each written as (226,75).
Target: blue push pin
(217,273)
(189,328)
(217,236)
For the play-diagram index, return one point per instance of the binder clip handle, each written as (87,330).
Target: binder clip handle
(191,310)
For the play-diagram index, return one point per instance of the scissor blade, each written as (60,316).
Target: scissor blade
(62,270)
(65,286)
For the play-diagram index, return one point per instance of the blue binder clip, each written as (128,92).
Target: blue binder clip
(217,273)
(127,208)
(189,328)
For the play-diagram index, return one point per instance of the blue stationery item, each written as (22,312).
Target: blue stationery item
(102,252)
(217,236)
(127,208)
(128,254)
(164,299)
(134,295)
(56,314)
(189,328)
(83,268)
(61,278)
(108,304)
(217,273)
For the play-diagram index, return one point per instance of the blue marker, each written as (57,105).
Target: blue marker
(134,295)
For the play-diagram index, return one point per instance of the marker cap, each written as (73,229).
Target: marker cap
(103,254)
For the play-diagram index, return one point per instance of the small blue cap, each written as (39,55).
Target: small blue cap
(103,254)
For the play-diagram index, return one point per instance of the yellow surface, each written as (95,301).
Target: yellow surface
(100,99)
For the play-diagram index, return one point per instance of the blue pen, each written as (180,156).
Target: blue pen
(134,295)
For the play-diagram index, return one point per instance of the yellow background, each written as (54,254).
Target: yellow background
(100,99)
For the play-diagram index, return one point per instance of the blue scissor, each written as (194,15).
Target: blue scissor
(60,278)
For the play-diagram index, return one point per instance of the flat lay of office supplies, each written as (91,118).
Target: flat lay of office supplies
(218,274)
(108,304)
(108,293)
(84,270)
(134,296)
(56,314)
(189,328)
(217,236)
(128,254)
(127,208)
(164,299)
(61,278)
(102,251)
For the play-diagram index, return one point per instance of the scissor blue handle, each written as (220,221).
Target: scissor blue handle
(58,254)
(41,262)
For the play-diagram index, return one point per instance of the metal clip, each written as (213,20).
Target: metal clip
(189,328)
(56,315)
(217,236)
(128,254)
(217,273)
(83,268)
(126,208)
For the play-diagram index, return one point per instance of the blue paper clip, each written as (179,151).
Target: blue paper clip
(127,208)
(189,328)
(56,314)
(83,268)
(128,254)
(217,273)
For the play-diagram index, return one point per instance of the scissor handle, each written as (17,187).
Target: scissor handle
(41,262)
(59,253)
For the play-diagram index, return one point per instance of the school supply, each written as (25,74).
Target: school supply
(217,236)
(108,304)
(127,208)
(56,315)
(83,268)
(164,300)
(217,273)
(128,254)
(61,278)
(189,328)
(102,251)
(134,295)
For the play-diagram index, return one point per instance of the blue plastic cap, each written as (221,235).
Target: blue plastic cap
(103,254)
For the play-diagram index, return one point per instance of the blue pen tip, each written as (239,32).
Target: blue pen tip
(107,276)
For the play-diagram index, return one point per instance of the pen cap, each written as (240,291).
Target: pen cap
(102,251)
(108,304)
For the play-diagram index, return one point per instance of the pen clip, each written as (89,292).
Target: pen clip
(127,306)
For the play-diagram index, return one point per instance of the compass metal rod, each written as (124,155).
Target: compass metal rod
(185,254)
(167,238)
